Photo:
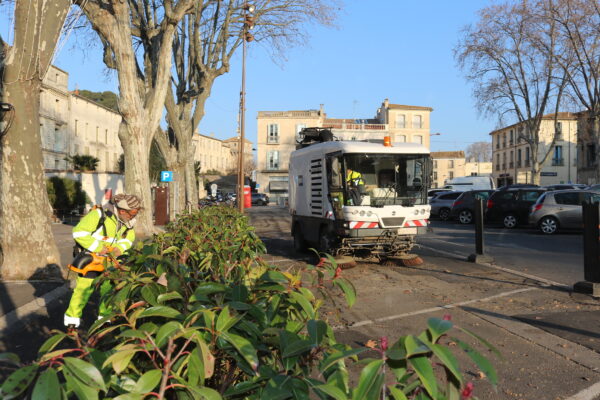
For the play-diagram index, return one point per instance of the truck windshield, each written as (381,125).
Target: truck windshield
(386,179)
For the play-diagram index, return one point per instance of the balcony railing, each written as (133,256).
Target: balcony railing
(355,127)
(273,140)
(497,167)
(503,165)
(527,163)
(519,164)
(511,164)
(558,162)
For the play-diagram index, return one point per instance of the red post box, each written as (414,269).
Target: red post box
(247,197)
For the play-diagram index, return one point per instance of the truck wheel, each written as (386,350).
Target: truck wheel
(299,243)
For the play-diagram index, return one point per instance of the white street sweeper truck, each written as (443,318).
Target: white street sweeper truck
(358,198)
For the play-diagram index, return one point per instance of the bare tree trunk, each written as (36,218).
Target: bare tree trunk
(26,241)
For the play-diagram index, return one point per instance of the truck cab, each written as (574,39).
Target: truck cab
(379,214)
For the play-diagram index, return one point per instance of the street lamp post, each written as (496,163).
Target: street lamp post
(246,37)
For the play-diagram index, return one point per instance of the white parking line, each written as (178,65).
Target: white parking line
(434,309)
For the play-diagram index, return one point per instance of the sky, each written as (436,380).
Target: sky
(395,49)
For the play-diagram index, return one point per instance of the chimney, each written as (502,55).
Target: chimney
(321,109)
(386,103)
(77,89)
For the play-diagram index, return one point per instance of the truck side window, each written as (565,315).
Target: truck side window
(334,175)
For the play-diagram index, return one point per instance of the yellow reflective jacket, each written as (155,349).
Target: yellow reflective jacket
(93,238)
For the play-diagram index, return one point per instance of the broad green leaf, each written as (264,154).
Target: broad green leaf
(423,368)
(160,311)
(150,294)
(208,358)
(169,296)
(17,382)
(438,327)
(120,360)
(396,393)
(195,369)
(55,353)
(447,359)
(337,356)
(51,343)
(241,388)
(10,358)
(166,331)
(348,289)
(273,276)
(205,393)
(148,381)
(47,386)
(414,346)
(304,303)
(130,396)
(86,372)
(331,391)
(296,348)
(245,348)
(367,380)
(482,363)
(223,320)
(316,331)
(81,389)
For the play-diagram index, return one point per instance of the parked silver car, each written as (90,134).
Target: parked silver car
(560,209)
(441,204)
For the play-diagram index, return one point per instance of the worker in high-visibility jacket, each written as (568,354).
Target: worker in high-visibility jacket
(107,230)
(356,187)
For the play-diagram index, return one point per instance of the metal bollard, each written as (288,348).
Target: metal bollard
(479,256)
(591,248)
(591,251)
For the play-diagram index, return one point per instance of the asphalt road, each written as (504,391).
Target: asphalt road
(556,257)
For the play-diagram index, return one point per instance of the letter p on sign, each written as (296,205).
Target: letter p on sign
(166,176)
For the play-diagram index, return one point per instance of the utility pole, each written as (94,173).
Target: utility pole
(246,37)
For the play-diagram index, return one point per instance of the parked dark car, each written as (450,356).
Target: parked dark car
(511,207)
(561,210)
(464,206)
(260,199)
(595,188)
(441,204)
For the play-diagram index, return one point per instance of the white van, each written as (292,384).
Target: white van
(465,183)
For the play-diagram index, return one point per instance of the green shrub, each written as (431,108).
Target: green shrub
(65,195)
(198,314)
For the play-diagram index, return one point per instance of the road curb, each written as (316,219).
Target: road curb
(13,317)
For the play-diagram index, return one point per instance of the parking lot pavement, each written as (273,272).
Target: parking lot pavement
(542,331)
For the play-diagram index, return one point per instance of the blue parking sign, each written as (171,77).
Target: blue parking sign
(166,176)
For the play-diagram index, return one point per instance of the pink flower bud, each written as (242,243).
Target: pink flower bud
(384,343)
(467,391)
(447,317)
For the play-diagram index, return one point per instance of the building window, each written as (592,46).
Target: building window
(504,140)
(418,139)
(400,139)
(106,136)
(450,163)
(273,133)
(450,174)
(435,164)
(417,122)
(273,159)
(519,158)
(435,175)
(497,137)
(558,129)
(400,121)
(526,153)
(557,158)
(512,140)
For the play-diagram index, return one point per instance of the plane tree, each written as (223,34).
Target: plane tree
(137,38)
(510,55)
(26,242)
(203,46)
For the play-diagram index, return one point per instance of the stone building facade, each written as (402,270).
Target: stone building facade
(278,134)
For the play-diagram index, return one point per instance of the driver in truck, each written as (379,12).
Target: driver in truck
(356,186)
